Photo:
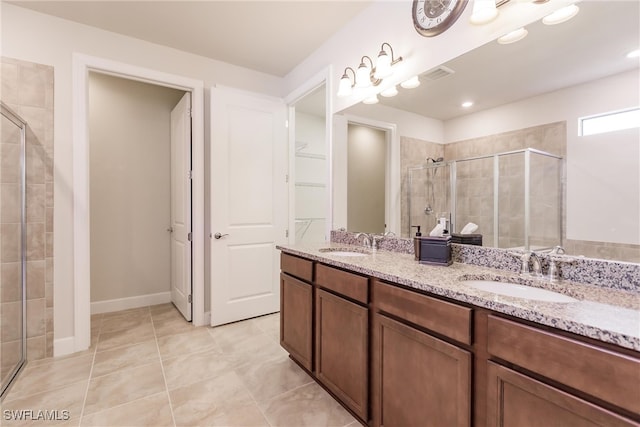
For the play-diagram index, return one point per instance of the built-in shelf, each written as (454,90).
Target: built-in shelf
(311,156)
(311,184)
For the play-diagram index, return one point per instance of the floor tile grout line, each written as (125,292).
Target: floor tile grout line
(26,396)
(93,361)
(264,415)
(164,376)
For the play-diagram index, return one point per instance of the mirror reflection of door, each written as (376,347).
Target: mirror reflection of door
(366,178)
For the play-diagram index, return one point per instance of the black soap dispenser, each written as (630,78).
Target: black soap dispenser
(416,242)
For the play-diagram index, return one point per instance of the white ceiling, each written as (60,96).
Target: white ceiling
(590,46)
(264,35)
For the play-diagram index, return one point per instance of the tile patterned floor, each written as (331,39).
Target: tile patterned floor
(149,367)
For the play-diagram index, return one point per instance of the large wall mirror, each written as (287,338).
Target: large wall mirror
(531,94)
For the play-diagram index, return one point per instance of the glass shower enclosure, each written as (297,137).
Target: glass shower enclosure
(13,253)
(515,197)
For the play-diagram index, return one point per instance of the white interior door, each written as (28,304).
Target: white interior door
(249,203)
(181,206)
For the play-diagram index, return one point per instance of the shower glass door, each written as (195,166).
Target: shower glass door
(12,244)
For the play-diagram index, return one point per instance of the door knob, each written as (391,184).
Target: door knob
(219,236)
(170,229)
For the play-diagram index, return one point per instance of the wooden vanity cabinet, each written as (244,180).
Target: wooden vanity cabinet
(296,309)
(431,362)
(515,399)
(342,337)
(418,378)
(539,377)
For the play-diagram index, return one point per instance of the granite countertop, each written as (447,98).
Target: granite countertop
(605,314)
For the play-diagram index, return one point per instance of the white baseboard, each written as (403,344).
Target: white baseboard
(108,306)
(64,346)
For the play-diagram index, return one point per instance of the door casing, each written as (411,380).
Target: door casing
(82,64)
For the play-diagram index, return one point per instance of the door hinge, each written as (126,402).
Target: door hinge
(286,178)
(189,236)
(190,174)
(189,299)
(189,113)
(286,233)
(286,124)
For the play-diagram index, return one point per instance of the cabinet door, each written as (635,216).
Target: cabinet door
(296,317)
(517,400)
(418,380)
(342,350)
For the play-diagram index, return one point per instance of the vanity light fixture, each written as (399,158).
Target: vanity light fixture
(513,36)
(367,75)
(364,74)
(561,15)
(484,11)
(411,83)
(345,87)
(389,92)
(373,99)
(385,62)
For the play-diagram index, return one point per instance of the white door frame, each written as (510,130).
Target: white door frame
(392,182)
(82,64)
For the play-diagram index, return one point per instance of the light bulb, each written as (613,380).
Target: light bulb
(383,66)
(363,78)
(344,87)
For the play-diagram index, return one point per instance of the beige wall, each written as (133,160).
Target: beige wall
(129,133)
(367,159)
(27,88)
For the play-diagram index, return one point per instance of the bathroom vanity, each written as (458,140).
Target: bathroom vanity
(404,344)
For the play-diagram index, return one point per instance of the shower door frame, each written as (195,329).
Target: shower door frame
(18,121)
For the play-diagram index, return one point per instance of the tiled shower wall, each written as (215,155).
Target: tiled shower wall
(550,138)
(27,88)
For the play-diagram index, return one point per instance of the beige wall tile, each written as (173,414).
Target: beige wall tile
(35,241)
(35,279)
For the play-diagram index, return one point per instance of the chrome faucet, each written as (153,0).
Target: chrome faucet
(537,265)
(367,241)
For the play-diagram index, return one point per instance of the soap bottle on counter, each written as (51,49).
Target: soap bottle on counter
(416,242)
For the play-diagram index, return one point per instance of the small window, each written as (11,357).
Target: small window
(609,122)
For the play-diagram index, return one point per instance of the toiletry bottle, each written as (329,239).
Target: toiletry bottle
(416,242)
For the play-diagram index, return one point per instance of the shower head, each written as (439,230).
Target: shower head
(432,160)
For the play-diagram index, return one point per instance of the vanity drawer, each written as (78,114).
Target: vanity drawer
(439,316)
(601,373)
(297,267)
(344,283)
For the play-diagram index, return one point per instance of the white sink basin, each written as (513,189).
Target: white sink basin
(519,291)
(344,252)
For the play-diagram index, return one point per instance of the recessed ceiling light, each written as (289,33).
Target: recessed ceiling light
(373,99)
(513,36)
(561,15)
(634,54)
(467,104)
(411,83)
